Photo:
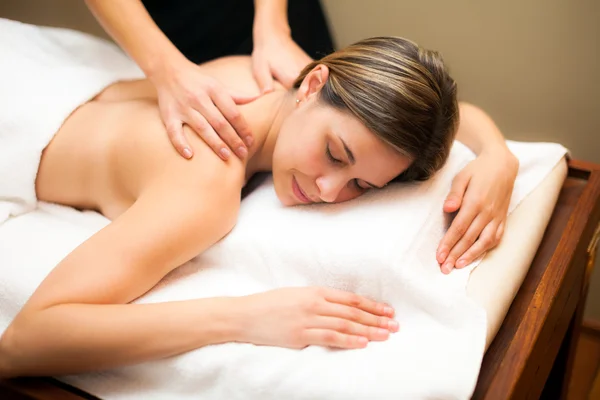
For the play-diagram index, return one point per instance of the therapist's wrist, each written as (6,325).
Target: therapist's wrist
(270,24)
(164,63)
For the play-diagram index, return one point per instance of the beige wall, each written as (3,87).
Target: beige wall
(533,65)
(63,13)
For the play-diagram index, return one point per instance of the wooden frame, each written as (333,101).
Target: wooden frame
(532,354)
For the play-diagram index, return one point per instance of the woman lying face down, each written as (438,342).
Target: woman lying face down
(380,110)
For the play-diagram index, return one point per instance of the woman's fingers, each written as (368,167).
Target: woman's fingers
(357,301)
(331,338)
(354,314)
(488,239)
(459,227)
(372,333)
(467,240)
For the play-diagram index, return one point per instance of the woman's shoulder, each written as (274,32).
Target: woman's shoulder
(235,72)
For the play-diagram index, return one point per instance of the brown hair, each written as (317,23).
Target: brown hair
(400,92)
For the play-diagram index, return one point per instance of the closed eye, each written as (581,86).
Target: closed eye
(357,185)
(331,157)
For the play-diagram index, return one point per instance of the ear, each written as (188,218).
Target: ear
(313,82)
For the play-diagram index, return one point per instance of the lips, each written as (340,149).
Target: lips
(299,193)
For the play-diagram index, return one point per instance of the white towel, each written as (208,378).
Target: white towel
(381,245)
(45,74)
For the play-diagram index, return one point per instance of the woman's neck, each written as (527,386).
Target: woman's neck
(265,116)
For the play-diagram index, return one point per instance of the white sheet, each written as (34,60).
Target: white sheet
(381,245)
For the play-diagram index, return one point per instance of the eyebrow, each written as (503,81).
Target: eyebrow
(353,161)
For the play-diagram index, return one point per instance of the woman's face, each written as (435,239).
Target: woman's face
(326,155)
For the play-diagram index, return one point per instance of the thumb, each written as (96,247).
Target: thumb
(457,191)
(262,75)
(243,98)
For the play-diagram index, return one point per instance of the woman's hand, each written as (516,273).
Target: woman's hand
(482,192)
(278,56)
(303,316)
(188,96)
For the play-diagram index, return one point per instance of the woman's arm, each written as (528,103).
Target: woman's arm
(78,318)
(478,131)
(480,192)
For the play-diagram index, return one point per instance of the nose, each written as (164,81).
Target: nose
(330,187)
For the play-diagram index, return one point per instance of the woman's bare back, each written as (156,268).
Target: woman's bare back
(109,148)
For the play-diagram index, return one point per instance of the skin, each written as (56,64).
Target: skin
(112,155)
(190,95)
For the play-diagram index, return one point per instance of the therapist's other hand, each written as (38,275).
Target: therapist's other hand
(302,316)
(481,194)
(277,56)
(188,96)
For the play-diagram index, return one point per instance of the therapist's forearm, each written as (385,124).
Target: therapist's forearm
(131,26)
(270,17)
(478,131)
(72,338)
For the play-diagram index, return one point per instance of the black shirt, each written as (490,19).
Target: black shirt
(206,29)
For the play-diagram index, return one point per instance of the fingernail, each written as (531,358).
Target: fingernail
(461,263)
(224,153)
(442,256)
(382,332)
(362,341)
(393,325)
(249,140)
(388,310)
(242,152)
(187,153)
(446,268)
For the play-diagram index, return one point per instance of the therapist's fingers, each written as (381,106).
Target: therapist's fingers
(174,128)
(229,138)
(487,240)
(467,240)
(204,129)
(243,98)
(262,74)
(240,128)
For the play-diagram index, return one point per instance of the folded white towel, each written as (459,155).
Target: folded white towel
(381,245)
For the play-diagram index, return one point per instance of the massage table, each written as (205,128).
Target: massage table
(534,326)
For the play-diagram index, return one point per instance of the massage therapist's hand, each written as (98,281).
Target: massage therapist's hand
(302,316)
(276,55)
(481,193)
(188,96)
